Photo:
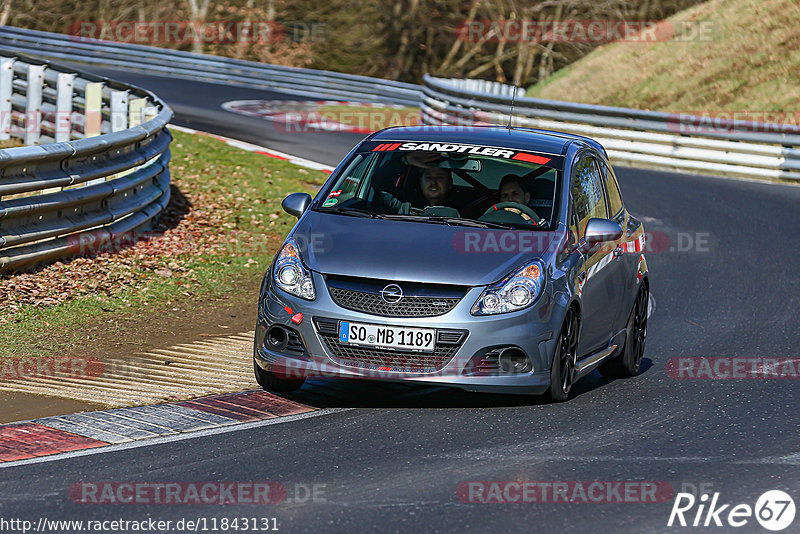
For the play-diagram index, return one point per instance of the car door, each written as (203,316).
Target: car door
(624,264)
(596,278)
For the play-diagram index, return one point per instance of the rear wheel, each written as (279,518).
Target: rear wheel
(630,361)
(269,381)
(562,372)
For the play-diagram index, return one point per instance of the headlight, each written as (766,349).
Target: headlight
(289,273)
(515,292)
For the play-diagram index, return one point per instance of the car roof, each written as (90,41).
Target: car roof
(549,142)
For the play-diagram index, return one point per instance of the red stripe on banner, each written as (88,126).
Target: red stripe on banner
(530,158)
(394,146)
(379,148)
(28,440)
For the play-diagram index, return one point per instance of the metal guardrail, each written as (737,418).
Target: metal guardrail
(95,168)
(304,82)
(631,136)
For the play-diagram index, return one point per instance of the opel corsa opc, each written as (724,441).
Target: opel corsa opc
(489,259)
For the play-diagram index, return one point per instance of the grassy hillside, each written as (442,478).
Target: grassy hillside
(751,63)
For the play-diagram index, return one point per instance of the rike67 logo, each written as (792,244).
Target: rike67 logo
(774,510)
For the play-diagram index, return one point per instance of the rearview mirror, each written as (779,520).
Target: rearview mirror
(470,165)
(601,231)
(296,203)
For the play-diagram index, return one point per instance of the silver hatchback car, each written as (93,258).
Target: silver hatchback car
(489,259)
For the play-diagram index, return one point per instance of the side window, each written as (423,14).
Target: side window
(587,193)
(612,188)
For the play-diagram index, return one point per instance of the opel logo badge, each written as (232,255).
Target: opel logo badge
(392,294)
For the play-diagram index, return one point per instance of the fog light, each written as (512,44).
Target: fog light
(513,360)
(276,338)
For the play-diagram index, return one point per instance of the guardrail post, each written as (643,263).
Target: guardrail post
(119,110)
(64,91)
(94,116)
(33,105)
(149,113)
(94,109)
(6,87)
(135,108)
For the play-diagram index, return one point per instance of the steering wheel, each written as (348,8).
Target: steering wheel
(525,213)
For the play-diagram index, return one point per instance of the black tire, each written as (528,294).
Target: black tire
(629,362)
(270,382)
(562,371)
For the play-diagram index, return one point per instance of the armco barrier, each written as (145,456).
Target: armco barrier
(631,136)
(95,166)
(161,61)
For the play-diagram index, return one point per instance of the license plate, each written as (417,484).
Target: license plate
(387,337)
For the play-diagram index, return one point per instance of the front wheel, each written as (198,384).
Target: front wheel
(628,364)
(269,381)
(562,371)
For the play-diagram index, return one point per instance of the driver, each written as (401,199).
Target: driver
(511,190)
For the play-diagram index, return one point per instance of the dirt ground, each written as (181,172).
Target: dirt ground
(193,321)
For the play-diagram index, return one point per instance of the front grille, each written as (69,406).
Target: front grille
(447,344)
(407,307)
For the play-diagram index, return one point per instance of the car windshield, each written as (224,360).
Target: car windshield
(452,184)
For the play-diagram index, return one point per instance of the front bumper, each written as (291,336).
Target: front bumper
(531,330)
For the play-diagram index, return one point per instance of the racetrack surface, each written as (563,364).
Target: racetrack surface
(393,462)
(197,105)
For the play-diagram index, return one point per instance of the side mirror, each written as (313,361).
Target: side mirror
(296,203)
(601,231)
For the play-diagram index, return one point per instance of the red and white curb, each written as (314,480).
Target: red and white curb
(264,151)
(91,430)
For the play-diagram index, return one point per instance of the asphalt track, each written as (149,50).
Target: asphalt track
(394,460)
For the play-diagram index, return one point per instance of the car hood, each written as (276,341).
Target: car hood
(414,251)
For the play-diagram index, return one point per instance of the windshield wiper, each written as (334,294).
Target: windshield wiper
(353,212)
(451,221)
(461,221)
